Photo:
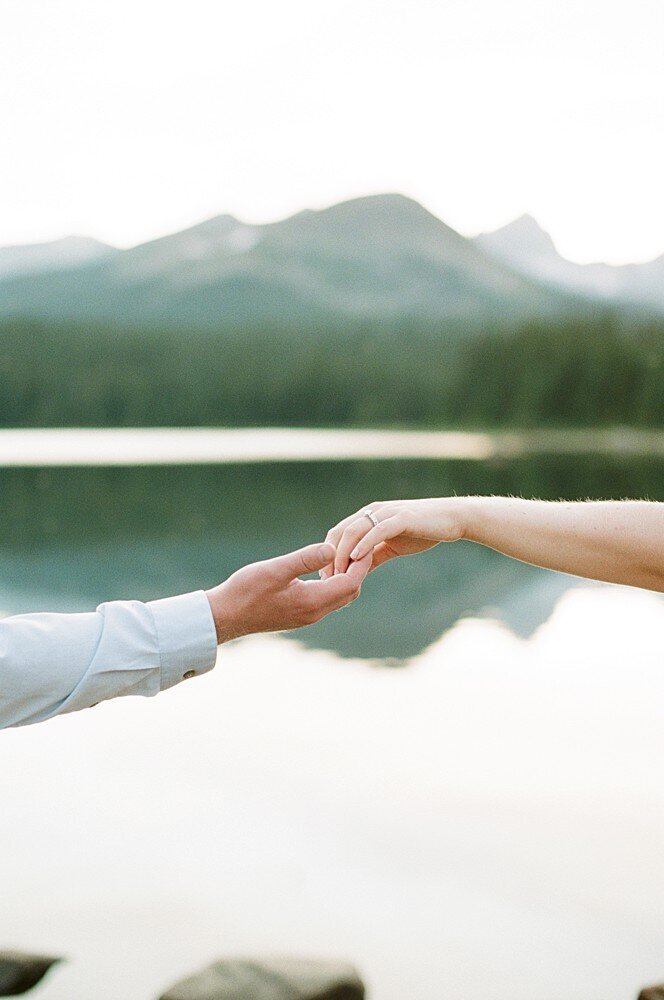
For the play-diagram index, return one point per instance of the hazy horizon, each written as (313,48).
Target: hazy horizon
(132,121)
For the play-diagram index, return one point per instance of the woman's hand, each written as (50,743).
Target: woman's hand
(620,541)
(403,528)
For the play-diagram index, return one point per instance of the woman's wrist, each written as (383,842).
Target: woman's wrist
(473,514)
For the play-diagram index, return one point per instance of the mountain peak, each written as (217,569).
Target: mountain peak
(67,252)
(384,222)
(220,236)
(524,246)
(392,205)
(525,221)
(521,238)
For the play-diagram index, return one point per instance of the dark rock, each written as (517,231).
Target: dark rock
(19,972)
(652,993)
(270,979)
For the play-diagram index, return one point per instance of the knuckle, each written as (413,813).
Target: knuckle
(310,610)
(246,576)
(305,604)
(306,565)
(312,615)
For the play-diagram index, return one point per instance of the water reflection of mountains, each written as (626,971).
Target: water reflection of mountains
(75,537)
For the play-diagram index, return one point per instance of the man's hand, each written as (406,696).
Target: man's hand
(268,596)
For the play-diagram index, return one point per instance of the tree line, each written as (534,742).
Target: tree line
(591,371)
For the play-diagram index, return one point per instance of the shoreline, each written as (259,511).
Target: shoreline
(130,446)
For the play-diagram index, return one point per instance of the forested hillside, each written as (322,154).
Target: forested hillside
(584,372)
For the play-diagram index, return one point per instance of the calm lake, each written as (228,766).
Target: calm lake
(457,783)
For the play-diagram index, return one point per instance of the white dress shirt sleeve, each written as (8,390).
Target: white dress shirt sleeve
(54,663)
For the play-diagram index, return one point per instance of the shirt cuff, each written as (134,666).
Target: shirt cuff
(186,636)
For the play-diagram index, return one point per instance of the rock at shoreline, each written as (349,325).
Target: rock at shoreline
(652,993)
(19,972)
(270,979)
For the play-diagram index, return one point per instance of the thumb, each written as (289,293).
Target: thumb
(307,560)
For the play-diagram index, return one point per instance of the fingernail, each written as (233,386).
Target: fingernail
(355,553)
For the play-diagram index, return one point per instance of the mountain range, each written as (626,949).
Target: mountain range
(382,257)
(526,247)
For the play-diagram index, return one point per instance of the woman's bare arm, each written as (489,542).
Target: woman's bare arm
(618,541)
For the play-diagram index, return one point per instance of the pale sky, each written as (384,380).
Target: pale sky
(128,119)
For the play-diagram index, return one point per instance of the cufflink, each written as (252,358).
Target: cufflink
(187,674)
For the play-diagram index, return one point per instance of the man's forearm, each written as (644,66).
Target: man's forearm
(616,541)
(55,663)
